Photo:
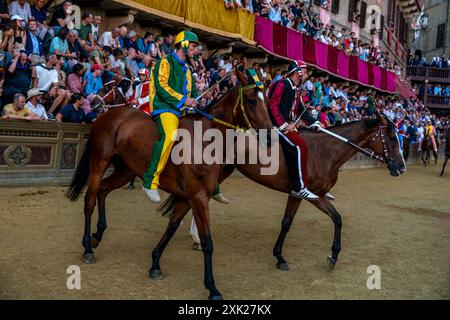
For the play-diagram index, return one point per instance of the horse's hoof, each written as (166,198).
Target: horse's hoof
(94,243)
(89,258)
(331,263)
(216,297)
(156,275)
(283,266)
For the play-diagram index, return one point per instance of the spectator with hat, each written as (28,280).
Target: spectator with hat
(33,103)
(19,36)
(94,81)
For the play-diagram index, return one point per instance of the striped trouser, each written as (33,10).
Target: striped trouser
(167,124)
(296,153)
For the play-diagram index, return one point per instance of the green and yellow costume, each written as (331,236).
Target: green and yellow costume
(171,83)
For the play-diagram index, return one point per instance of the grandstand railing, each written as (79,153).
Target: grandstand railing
(437,102)
(35,153)
(422,73)
(47,153)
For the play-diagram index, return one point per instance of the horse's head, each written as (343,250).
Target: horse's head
(251,109)
(386,144)
(110,94)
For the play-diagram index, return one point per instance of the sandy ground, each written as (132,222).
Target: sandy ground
(400,224)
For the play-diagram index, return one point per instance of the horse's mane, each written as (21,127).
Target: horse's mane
(215,103)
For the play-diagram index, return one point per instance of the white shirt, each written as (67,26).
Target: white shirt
(332,92)
(38,110)
(228,66)
(95,30)
(46,77)
(107,40)
(420,132)
(308,85)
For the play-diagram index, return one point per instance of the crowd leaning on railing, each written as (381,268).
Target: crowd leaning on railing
(300,15)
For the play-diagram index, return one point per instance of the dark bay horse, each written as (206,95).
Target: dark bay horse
(326,155)
(447,150)
(427,148)
(112,95)
(125,137)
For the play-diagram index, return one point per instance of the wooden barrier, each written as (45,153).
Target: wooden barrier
(40,153)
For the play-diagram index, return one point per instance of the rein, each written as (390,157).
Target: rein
(368,152)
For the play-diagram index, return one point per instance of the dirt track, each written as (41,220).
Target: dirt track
(400,224)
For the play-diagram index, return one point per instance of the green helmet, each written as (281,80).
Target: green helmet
(184,38)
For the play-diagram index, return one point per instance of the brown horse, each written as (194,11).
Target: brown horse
(447,150)
(125,137)
(427,146)
(112,95)
(326,155)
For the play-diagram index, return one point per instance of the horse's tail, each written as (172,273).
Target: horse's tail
(167,207)
(80,177)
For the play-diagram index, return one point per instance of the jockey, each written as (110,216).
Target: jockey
(430,131)
(285,107)
(140,99)
(172,89)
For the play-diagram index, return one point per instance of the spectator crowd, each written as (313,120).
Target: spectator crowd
(299,15)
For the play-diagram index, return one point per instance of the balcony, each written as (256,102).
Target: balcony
(437,102)
(394,45)
(421,73)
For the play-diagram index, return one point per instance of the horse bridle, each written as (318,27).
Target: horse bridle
(387,159)
(113,91)
(240,102)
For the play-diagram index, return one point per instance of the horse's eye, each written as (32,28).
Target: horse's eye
(252,102)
